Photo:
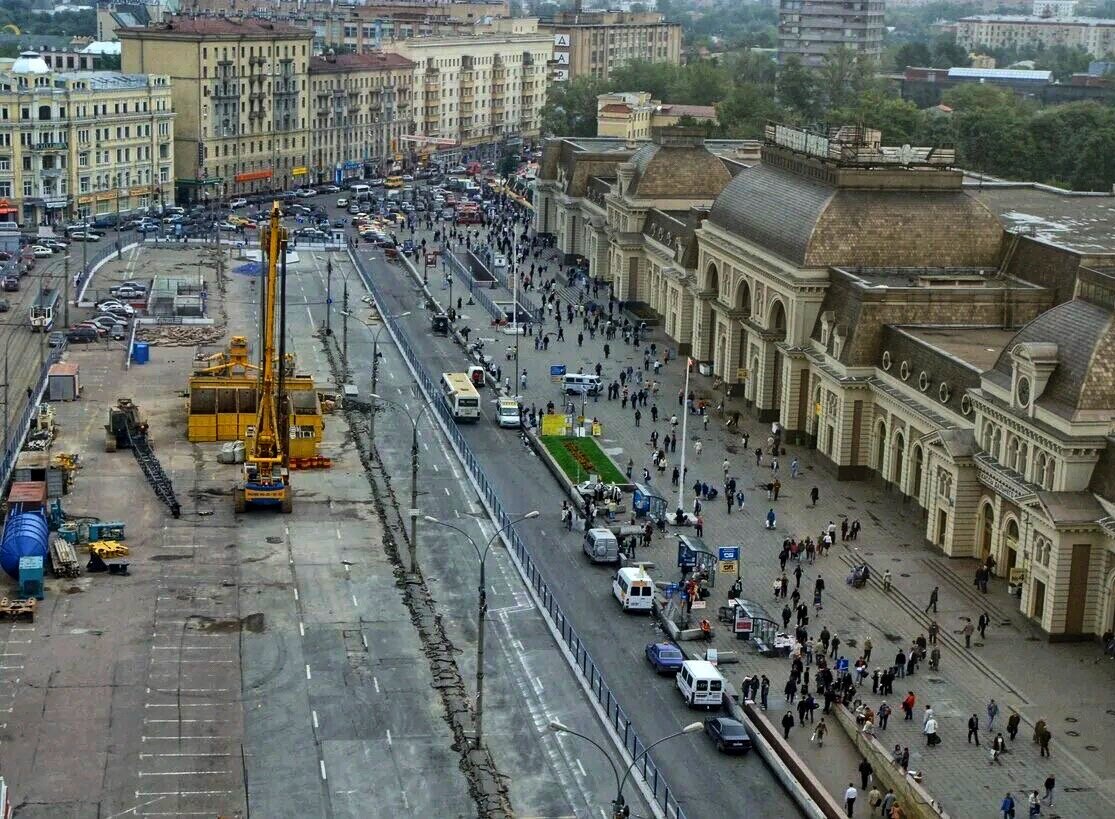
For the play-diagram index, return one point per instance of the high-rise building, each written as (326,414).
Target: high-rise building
(360,106)
(242,98)
(78,143)
(595,43)
(810,29)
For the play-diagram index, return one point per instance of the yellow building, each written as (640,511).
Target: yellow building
(479,90)
(242,98)
(360,105)
(632,115)
(82,142)
(594,43)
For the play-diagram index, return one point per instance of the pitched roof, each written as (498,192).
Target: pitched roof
(695,111)
(375,61)
(616,108)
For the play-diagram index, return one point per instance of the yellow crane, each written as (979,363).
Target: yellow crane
(266,476)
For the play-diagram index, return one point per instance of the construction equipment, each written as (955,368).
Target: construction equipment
(18,609)
(107,548)
(127,427)
(63,559)
(233,361)
(266,477)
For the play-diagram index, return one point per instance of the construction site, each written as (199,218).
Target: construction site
(153,598)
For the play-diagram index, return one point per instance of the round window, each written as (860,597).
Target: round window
(944,392)
(923,381)
(904,370)
(966,405)
(1023,392)
(886,360)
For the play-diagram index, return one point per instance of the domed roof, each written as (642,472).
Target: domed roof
(677,167)
(29,62)
(814,223)
(1084,378)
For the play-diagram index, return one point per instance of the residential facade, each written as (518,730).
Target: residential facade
(810,29)
(79,143)
(242,96)
(594,43)
(477,92)
(361,104)
(633,115)
(1094,35)
(864,302)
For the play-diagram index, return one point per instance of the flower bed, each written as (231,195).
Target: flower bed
(581,457)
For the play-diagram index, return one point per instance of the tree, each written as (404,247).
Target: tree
(745,111)
(900,121)
(701,83)
(915,54)
(1095,166)
(797,89)
(570,108)
(640,75)
(844,75)
(947,54)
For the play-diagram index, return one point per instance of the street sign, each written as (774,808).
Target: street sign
(743,622)
(699,604)
(727,553)
(557,372)
(729,567)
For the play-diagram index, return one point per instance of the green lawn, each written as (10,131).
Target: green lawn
(578,457)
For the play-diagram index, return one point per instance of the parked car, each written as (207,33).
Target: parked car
(306,193)
(665,657)
(228,227)
(5,306)
(57,245)
(10,283)
(126,292)
(110,325)
(116,308)
(56,338)
(85,236)
(729,735)
(41,252)
(238,202)
(147,227)
(81,335)
(328,189)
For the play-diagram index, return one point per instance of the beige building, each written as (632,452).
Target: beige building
(83,142)
(874,308)
(360,106)
(479,90)
(241,93)
(593,43)
(632,115)
(1094,35)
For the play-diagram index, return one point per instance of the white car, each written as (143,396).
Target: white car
(115,307)
(238,203)
(328,189)
(342,202)
(41,252)
(306,193)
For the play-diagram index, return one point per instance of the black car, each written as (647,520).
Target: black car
(81,335)
(729,735)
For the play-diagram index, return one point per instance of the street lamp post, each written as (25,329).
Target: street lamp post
(481,608)
(619,806)
(413,471)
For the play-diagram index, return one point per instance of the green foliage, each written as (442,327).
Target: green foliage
(580,457)
(570,108)
(67,23)
(731,25)
(798,90)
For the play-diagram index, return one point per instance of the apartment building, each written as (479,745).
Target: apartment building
(594,43)
(633,115)
(241,93)
(360,105)
(1094,35)
(479,90)
(83,142)
(810,29)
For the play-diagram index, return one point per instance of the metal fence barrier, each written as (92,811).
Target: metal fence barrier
(663,795)
(17,431)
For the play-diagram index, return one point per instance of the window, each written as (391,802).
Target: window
(83,184)
(5,163)
(5,189)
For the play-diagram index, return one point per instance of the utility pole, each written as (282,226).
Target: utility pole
(66,291)
(344,326)
(328,296)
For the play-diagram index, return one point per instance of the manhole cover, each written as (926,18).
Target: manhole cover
(1073,733)
(903,574)
(1091,748)
(1071,719)
(868,554)
(274,539)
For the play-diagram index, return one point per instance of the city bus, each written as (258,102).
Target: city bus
(43,310)
(463,399)
(468,214)
(393,182)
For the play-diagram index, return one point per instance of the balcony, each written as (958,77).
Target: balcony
(225,91)
(52,144)
(52,173)
(1008,483)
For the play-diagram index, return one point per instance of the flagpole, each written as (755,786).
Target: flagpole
(684,440)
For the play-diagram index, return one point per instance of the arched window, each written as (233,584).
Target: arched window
(1049,474)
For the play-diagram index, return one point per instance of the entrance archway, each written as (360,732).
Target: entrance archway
(1010,546)
(881,448)
(898,460)
(712,283)
(776,324)
(919,458)
(987,529)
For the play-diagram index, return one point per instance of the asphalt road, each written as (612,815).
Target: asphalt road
(705,783)
(528,682)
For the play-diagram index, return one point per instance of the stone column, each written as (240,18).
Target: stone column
(764,384)
(702,321)
(736,336)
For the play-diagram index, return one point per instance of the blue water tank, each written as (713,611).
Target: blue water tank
(25,535)
(141,353)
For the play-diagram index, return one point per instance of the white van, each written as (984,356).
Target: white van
(581,384)
(601,546)
(633,588)
(508,413)
(700,684)
(360,191)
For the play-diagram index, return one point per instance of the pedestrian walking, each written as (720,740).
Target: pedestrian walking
(973,729)
(1007,806)
(992,712)
(998,745)
(1012,725)
(697,447)
(794,468)
(930,731)
(1043,740)
(788,723)
(867,646)
(819,733)
(982,624)
(814,495)
(850,799)
(967,631)
(1050,784)
(932,604)
(874,799)
(1034,804)
(865,771)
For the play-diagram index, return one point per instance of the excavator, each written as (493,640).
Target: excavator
(266,477)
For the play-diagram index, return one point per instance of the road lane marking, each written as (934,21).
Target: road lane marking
(308,677)
(313,714)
